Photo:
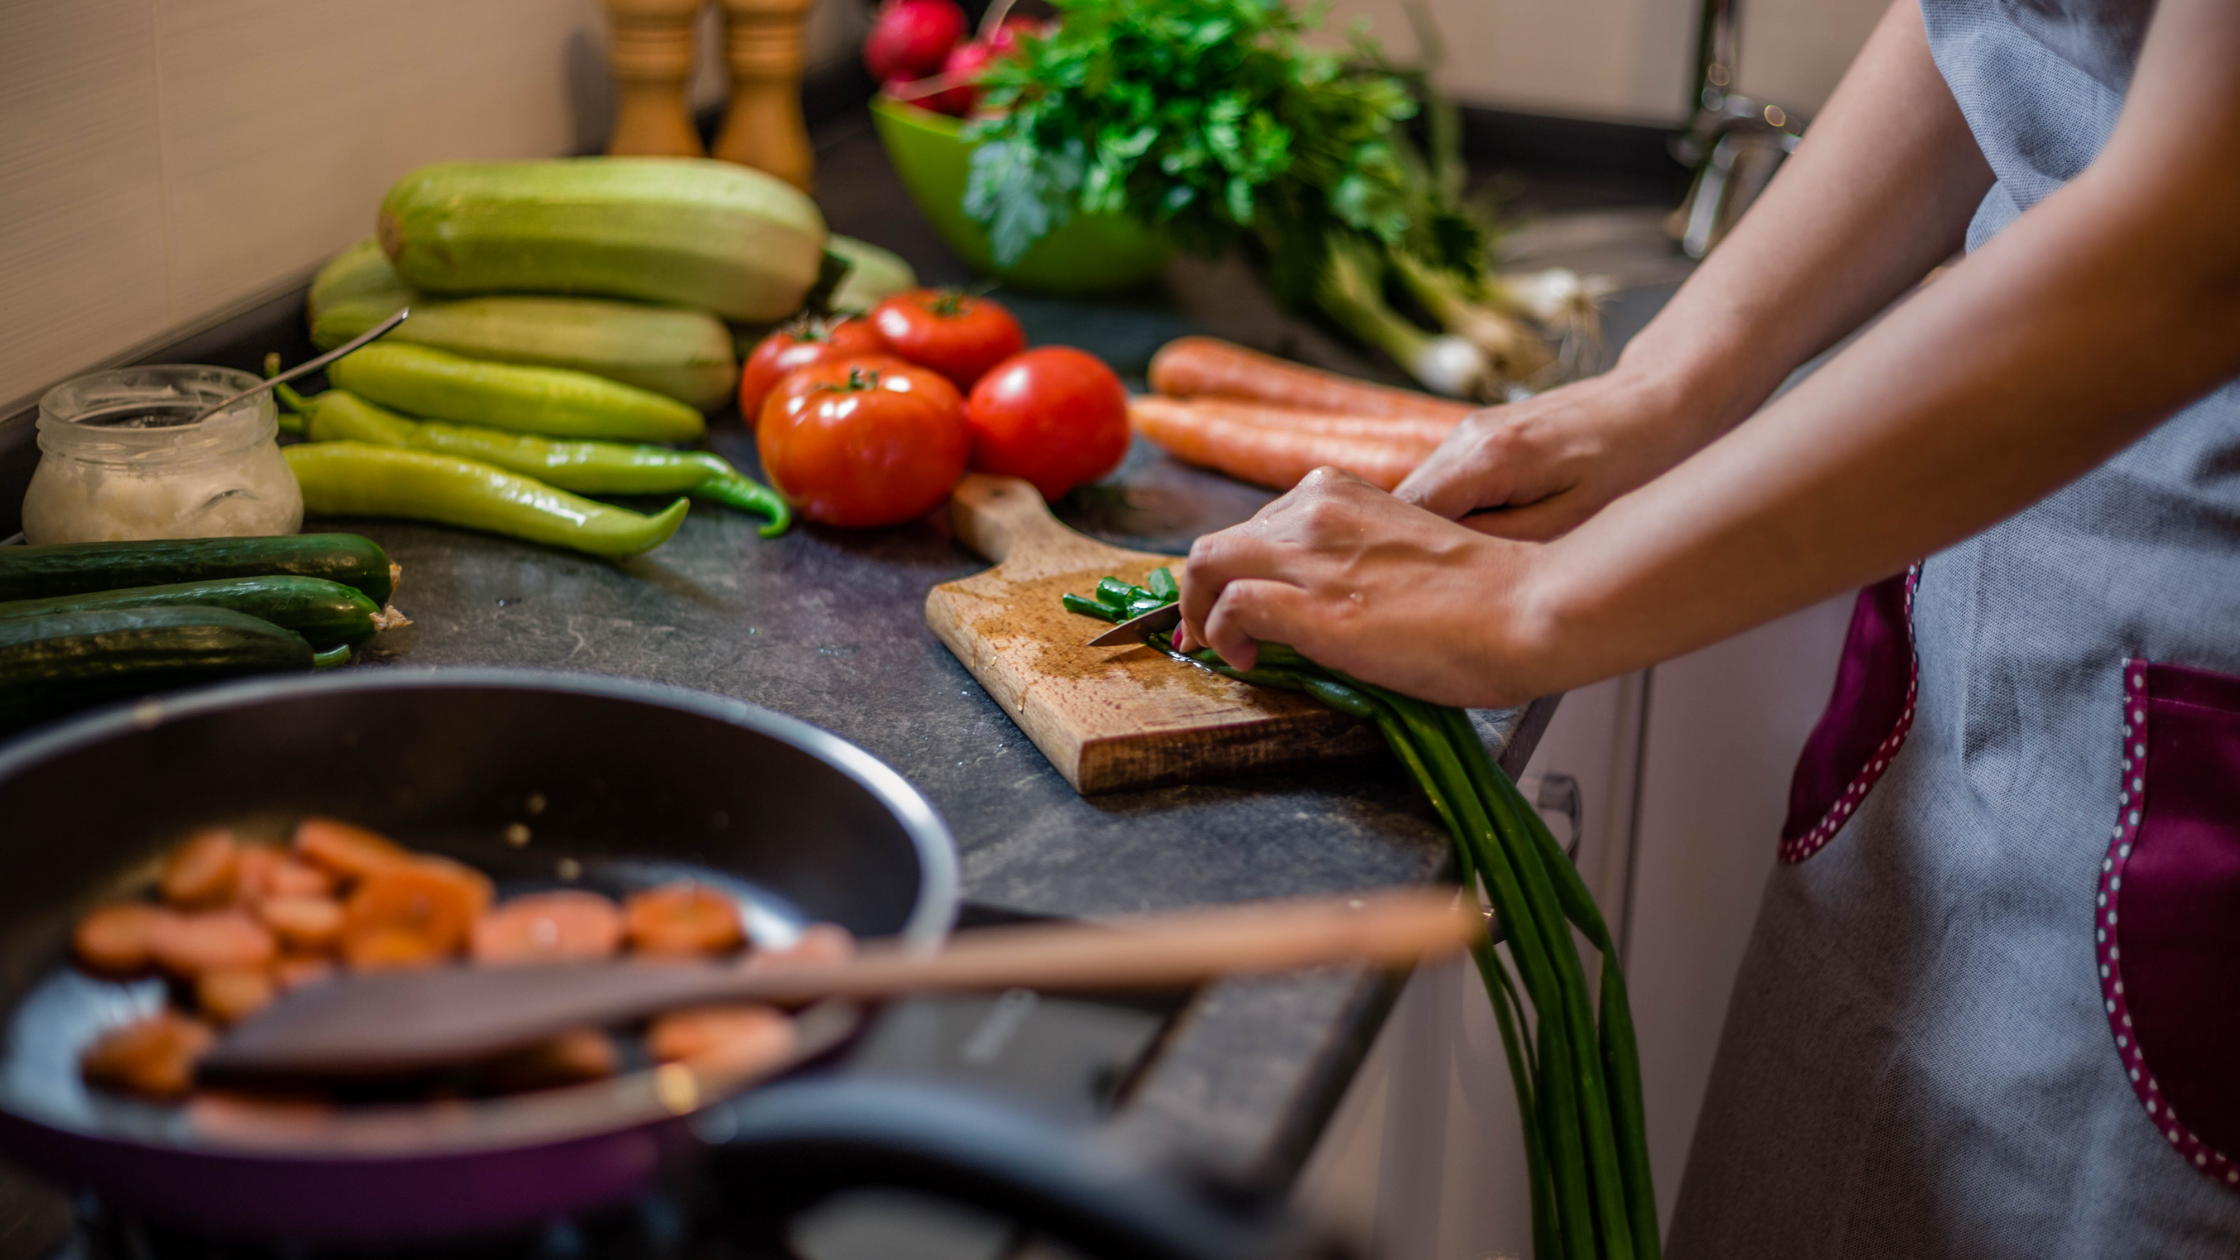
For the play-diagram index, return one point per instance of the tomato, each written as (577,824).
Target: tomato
(1055,416)
(870,441)
(798,345)
(957,335)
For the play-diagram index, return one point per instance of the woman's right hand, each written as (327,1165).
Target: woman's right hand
(1533,470)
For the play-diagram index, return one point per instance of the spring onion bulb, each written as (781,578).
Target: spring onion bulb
(1350,291)
(1516,352)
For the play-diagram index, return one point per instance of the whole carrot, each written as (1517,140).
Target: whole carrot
(1272,456)
(1410,431)
(1194,367)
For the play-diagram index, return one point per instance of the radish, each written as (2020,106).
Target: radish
(910,38)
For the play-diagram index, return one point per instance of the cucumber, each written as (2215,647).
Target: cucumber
(327,614)
(690,231)
(81,568)
(52,664)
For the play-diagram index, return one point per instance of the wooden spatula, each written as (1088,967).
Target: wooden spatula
(400,1022)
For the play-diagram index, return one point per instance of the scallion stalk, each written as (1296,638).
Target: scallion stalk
(1351,291)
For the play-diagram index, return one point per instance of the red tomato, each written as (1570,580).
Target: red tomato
(798,345)
(1056,416)
(959,336)
(869,441)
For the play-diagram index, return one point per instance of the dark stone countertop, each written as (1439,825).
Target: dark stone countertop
(827,625)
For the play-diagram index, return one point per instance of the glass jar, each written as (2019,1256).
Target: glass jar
(121,457)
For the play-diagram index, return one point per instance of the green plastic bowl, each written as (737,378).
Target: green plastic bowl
(1092,253)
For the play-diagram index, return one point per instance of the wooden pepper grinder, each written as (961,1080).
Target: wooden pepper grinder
(652,62)
(763,128)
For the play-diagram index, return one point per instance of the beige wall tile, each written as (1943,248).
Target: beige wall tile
(286,120)
(81,188)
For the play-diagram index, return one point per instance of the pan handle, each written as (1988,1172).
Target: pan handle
(795,1145)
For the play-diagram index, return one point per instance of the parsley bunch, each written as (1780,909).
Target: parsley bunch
(1210,121)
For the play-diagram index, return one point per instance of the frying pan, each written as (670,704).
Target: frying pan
(541,779)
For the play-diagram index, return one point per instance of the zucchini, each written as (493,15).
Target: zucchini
(552,402)
(686,355)
(80,568)
(874,274)
(327,614)
(690,231)
(52,664)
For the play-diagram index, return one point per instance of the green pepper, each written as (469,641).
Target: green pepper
(556,402)
(586,467)
(360,479)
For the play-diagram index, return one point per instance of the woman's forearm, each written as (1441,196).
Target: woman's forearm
(2095,315)
(1880,191)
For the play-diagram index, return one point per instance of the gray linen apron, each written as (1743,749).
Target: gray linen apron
(1991,1006)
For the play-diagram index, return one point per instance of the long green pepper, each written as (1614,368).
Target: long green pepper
(1575,1067)
(580,466)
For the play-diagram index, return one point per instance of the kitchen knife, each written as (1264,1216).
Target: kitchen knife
(1137,629)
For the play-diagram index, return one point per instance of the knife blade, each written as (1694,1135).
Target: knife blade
(1137,629)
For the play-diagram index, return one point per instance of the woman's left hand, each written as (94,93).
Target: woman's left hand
(1364,583)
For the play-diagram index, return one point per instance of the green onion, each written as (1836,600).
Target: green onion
(1091,608)
(1572,1058)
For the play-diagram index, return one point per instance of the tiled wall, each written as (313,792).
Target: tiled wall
(164,160)
(1624,60)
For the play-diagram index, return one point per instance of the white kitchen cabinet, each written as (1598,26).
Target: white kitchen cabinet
(1684,778)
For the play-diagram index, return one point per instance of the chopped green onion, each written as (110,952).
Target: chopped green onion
(1091,608)
(1161,583)
(1114,593)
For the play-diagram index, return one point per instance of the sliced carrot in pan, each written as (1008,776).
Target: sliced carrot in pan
(734,1038)
(682,919)
(153,1056)
(119,939)
(270,872)
(344,849)
(293,971)
(202,870)
(223,940)
(304,924)
(583,1054)
(565,926)
(233,995)
(414,914)
(819,944)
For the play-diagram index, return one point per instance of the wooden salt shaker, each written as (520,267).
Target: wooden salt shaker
(652,62)
(765,46)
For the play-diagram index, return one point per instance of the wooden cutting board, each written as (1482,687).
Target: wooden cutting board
(1110,718)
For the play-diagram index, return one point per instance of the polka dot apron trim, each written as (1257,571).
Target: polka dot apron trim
(2131,806)
(1799,847)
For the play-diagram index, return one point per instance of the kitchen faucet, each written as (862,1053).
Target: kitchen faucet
(1734,143)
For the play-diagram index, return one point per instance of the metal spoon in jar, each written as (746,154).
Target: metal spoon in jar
(374,333)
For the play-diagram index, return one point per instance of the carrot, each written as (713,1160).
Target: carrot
(820,944)
(270,872)
(1402,430)
(413,914)
(583,1054)
(222,940)
(202,870)
(682,919)
(153,1056)
(345,850)
(1193,367)
(231,996)
(118,939)
(305,924)
(564,926)
(731,1039)
(1269,456)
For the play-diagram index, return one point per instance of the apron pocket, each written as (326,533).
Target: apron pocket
(2168,933)
(1865,722)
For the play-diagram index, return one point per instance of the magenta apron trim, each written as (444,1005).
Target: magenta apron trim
(2131,813)
(1798,847)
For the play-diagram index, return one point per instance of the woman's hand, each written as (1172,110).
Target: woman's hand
(1362,582)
